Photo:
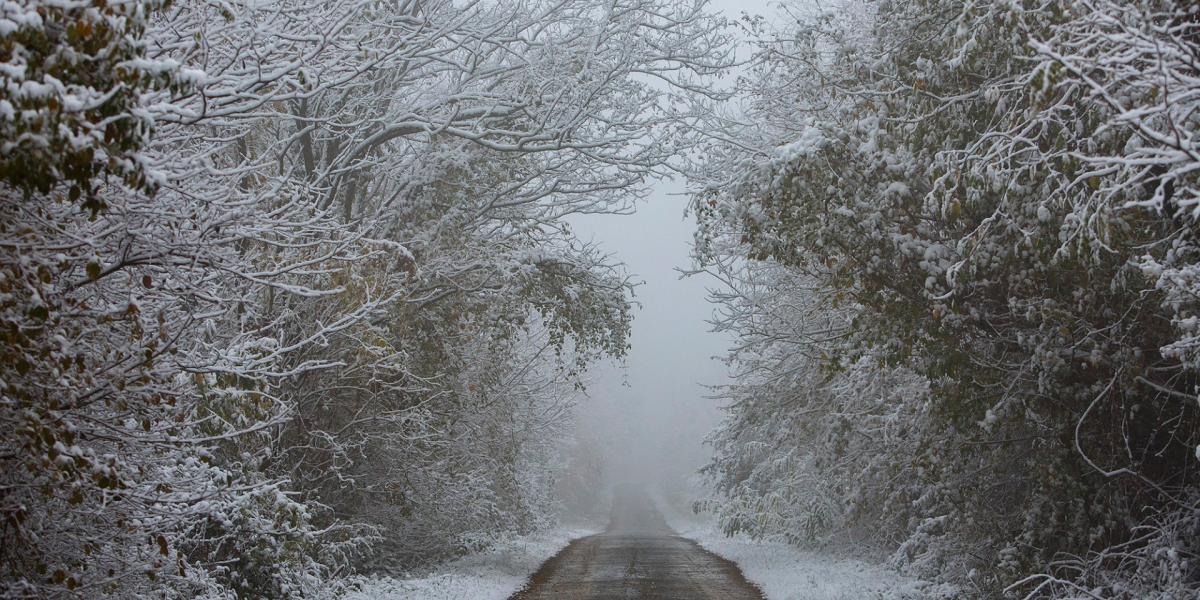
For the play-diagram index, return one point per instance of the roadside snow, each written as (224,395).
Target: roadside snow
(494,574)
(785,572)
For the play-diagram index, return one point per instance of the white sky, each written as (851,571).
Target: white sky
(655,424)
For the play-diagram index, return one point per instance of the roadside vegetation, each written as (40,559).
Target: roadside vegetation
(286,290)
(960,254)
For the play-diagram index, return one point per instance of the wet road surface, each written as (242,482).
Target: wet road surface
(639,556)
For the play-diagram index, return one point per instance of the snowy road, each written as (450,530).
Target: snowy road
(639,556)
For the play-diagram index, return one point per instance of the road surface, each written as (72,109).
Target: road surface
(639,556)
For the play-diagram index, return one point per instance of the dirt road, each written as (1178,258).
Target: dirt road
(639,556)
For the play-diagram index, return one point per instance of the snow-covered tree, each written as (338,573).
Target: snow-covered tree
(992,197)
(277,277)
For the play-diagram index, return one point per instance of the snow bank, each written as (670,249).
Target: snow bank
(494,574)
(785,572)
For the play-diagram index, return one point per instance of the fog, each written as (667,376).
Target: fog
(649,415)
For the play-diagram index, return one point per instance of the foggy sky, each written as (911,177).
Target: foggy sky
(653,415)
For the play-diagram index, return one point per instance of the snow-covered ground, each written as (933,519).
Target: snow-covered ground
(785,572)
(494,574)
(781,571)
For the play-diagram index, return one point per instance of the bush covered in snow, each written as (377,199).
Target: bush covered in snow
(966,328)
(285,285)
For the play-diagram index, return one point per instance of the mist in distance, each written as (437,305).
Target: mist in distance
(649,415)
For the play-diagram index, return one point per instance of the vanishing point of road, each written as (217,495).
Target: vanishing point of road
(639,556)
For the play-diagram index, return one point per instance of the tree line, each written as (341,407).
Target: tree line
(286,287)
(959,252)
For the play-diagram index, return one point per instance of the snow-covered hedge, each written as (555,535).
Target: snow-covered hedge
(285,286)
(967,326)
